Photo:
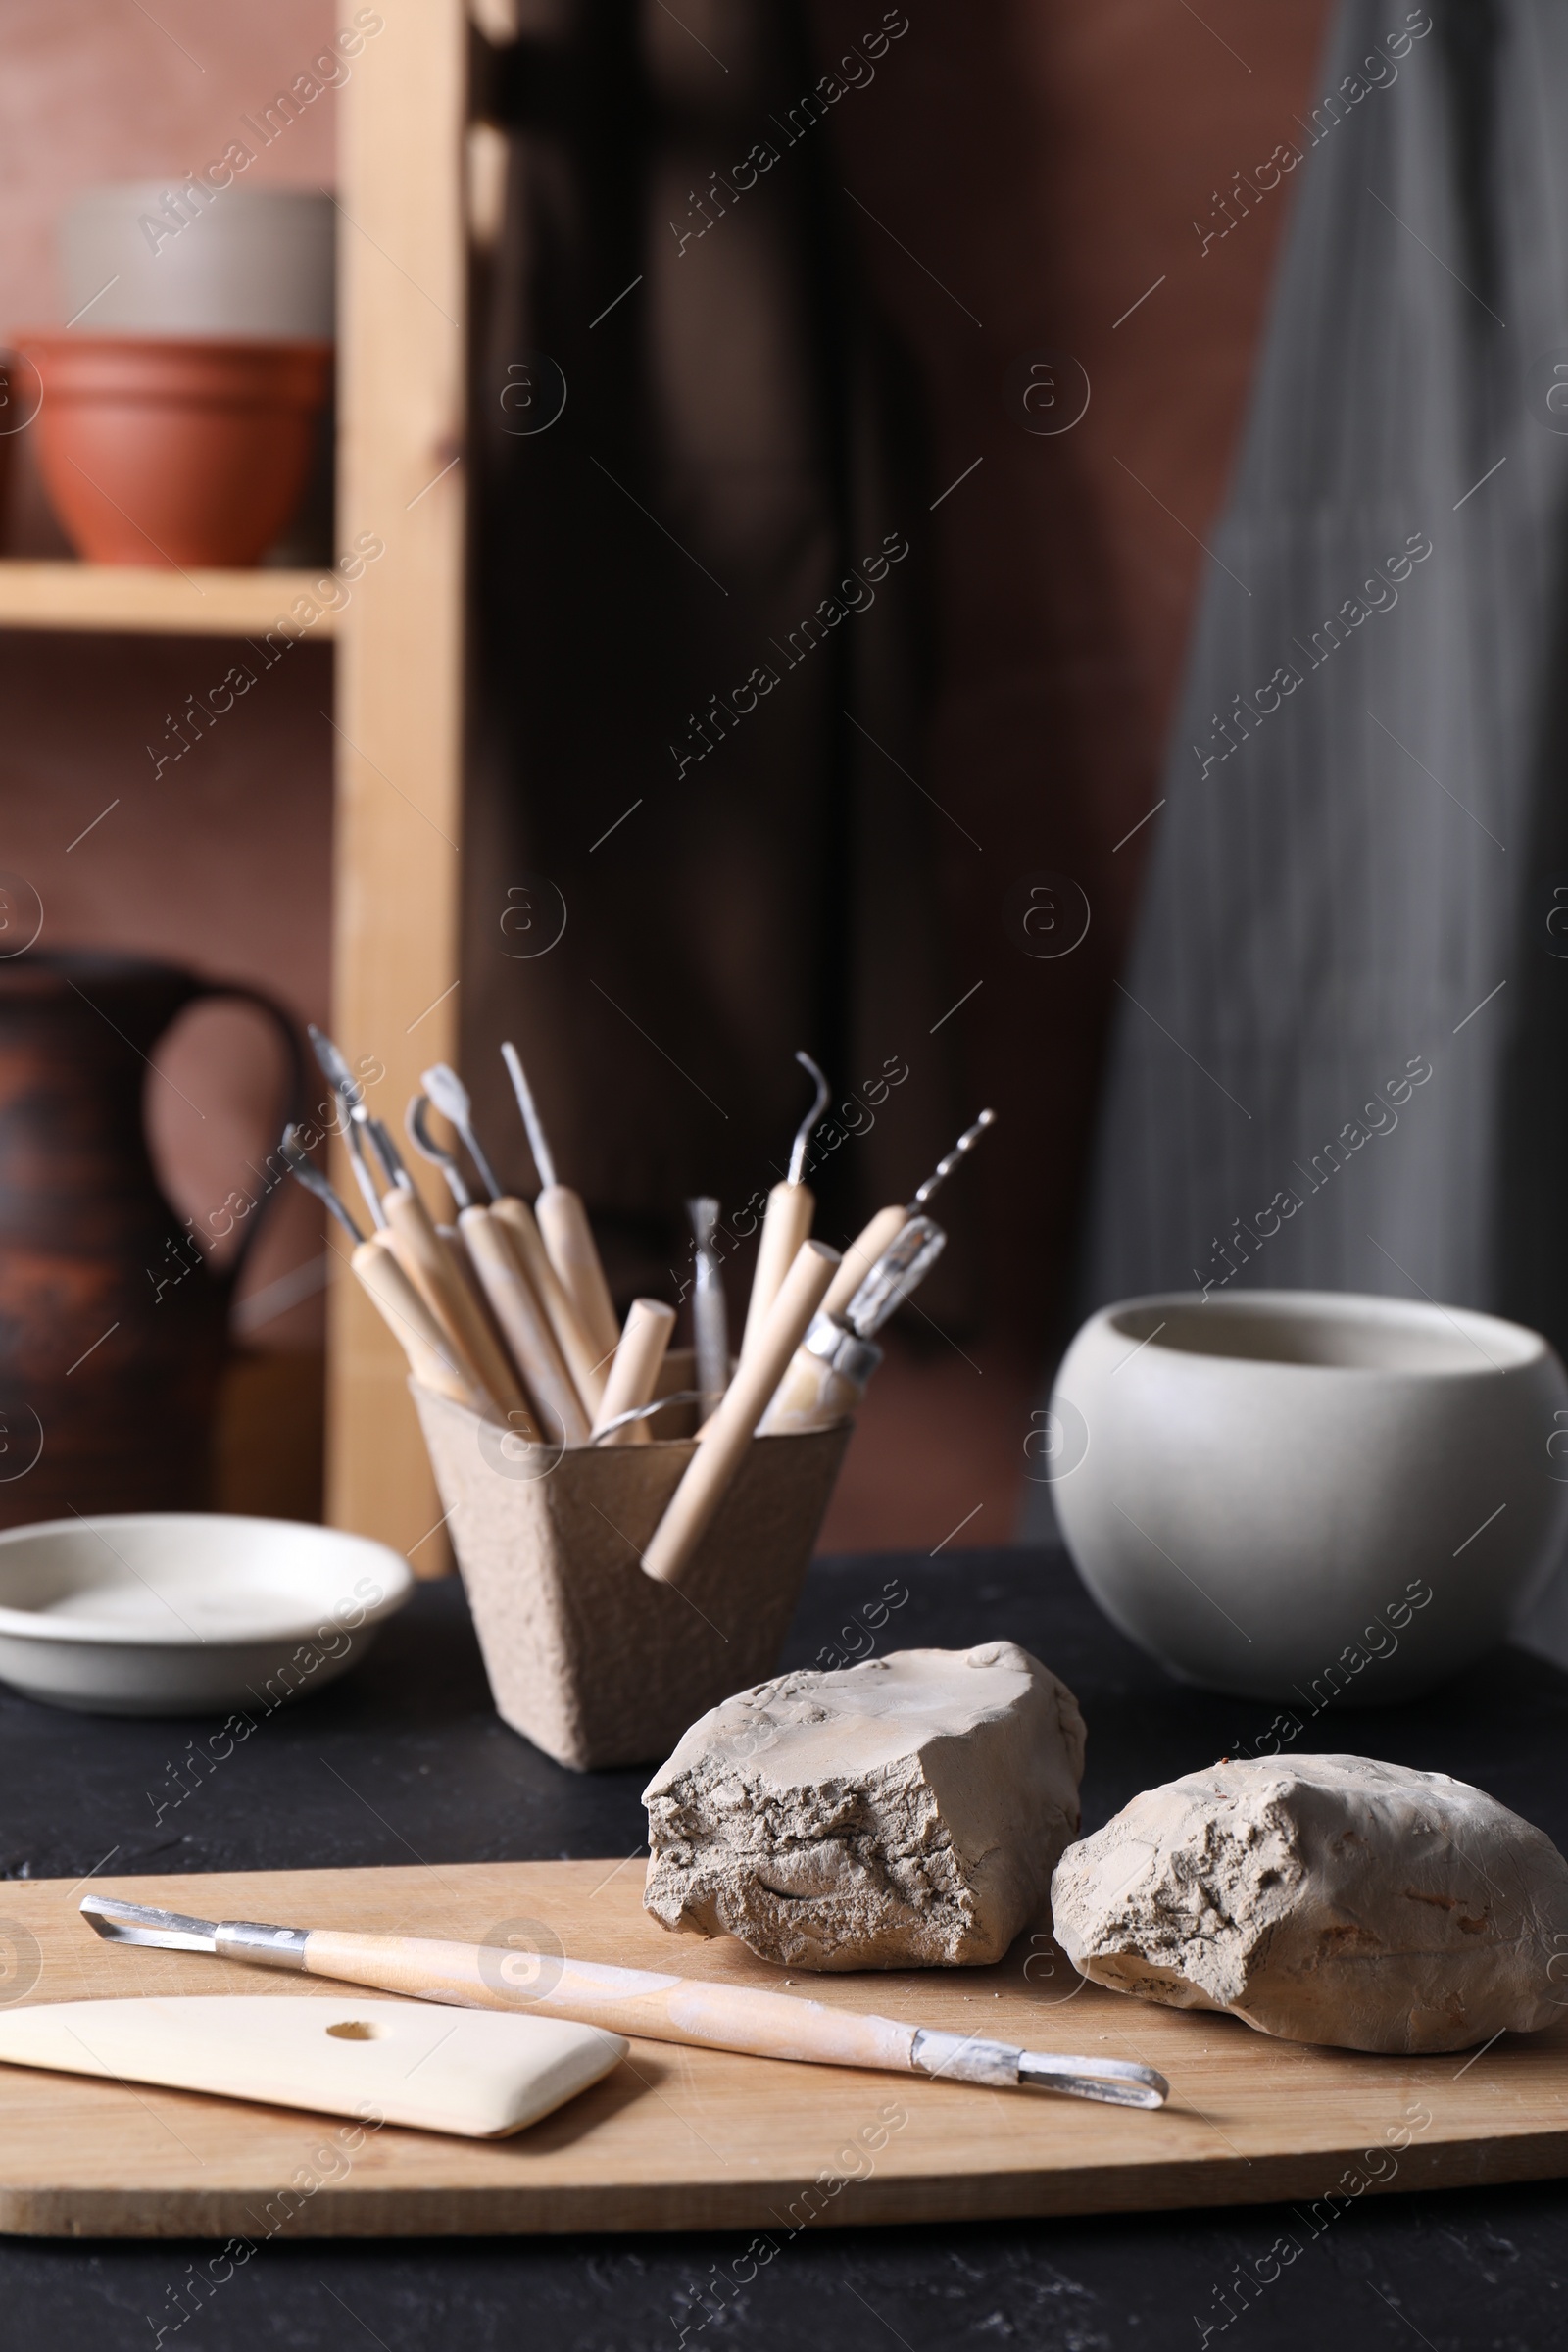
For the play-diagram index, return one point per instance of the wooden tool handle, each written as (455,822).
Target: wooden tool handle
(523,1326)
(580,1355)
(810,1395)
(790,1210)
(634,1372)
(862,1255)
(430,1358)
(622,2000)
(569,1238)
(723,1440)
(424,1259)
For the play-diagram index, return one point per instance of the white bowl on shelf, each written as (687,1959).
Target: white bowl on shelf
(253,261)
(1259,1488)
(187,1612)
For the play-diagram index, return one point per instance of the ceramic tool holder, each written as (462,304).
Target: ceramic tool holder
(590,1658)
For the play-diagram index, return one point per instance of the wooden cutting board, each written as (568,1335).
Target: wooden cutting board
(686,2139)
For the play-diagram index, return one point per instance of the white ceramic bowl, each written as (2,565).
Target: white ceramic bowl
(188,1613)
(257,262)
(1306,1495)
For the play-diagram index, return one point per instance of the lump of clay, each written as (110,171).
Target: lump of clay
(1329,1899)
(903,1813)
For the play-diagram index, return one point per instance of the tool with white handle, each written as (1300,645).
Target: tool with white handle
(563,1223)
(721,1441)
(644,2002)
(481,2075)
(424,1259)
(432,1357)
(577,1350)
(523,1326)
(791,1207)
(828,1373)
(634,1373)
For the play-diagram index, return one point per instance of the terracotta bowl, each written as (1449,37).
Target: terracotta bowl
(172,452)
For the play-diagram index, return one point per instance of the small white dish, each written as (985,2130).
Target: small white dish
(188,1613)
(1310,1497)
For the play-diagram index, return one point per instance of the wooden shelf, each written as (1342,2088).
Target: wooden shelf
(198,604)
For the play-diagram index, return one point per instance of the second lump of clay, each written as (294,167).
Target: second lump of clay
(1330,1900)
(903,1813)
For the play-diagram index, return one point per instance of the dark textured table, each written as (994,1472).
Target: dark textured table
(404,1762)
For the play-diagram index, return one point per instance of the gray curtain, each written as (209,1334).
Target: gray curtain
(1339,1058)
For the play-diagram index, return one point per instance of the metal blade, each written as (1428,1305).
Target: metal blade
(335,1069)
(418,1122)
(945,1167)
(538,1142)
(304,1171)
(447,1093)
(807,1126)
(1115,2082)
(450,1098)
(710,1310)
(139,1922)
(902,1267)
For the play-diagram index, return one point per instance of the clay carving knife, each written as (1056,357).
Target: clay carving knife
(521,1231)
(361,1128)
(481,2075)
(643,2002)
(887,1223)
(490,1255)
(723,1440)
(426,1261)
(634,1373)
(431,1359)
(709,1309)
(563,1223)
(829,1371)
(420,1253)
(416,1119)
(791,1208)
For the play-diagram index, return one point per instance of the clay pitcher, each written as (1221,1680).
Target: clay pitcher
(113,1329)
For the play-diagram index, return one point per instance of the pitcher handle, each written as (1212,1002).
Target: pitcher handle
(299,1088)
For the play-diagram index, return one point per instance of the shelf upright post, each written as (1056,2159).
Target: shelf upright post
(402,290)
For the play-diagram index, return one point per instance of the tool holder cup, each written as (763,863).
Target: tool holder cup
(590,1658)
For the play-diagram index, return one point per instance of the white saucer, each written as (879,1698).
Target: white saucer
(188,1613)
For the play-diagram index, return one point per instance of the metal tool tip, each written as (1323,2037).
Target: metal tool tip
(803,1133)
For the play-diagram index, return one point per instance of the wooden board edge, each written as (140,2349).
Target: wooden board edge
(779,2210)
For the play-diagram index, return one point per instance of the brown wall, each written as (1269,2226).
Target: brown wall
(1045,163)
(222,863)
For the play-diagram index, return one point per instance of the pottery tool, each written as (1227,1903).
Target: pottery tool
(304,1171)
(583,1360)
(710,1310)
(653,2006)
(424,1259)
(634,1372)
(791,1208)
(431,1359)
(453,1100)
(485,1254)
(723,1440)
(563,1223)
(887,1223)
(523,1325)
(829,1372)
(577,1350)
(416,1119)
(481,2076)
(360,1128)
